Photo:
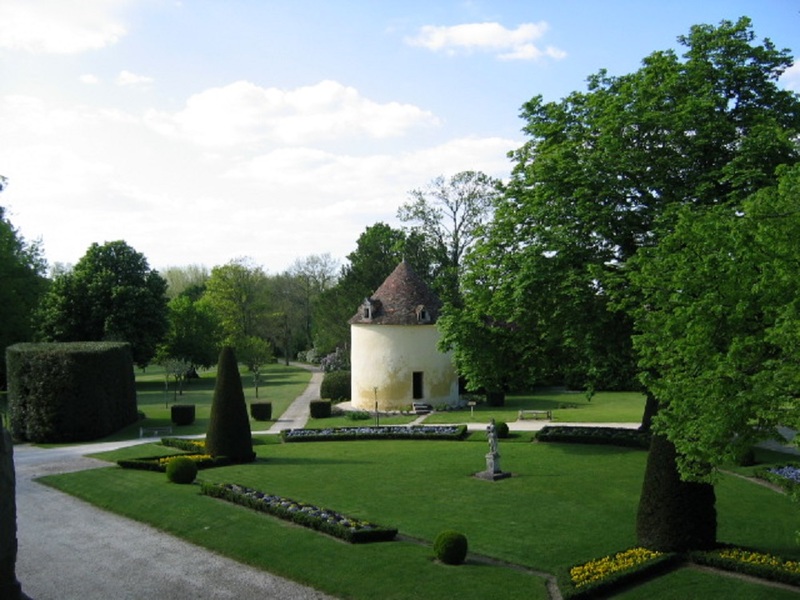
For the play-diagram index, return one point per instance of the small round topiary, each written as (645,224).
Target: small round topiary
(450,547)
(181,470)
(502,429)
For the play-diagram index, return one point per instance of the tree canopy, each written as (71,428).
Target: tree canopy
(601,176)
(110,295)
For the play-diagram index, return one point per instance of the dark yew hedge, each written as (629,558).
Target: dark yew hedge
(70,392)
(335,386)
(261,411)
(183,414)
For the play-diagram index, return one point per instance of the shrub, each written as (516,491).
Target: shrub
(70,392)
(357,415)
(613,436)
(229,432)
(181,470)
(339,360)
(391,432)
(183,414)
(261,411)
(450,547)
(496,398)
(501,428)
(320,409)
(336,386)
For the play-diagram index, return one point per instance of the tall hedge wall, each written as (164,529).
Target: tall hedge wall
(70,392)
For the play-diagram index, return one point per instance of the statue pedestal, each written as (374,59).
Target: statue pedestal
(493,471)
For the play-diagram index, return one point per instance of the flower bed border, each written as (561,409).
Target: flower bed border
(390,432)
(712,558)
(612,436)
(660,565)
(316,518)
(768,474)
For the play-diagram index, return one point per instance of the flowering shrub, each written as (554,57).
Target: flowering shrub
(751,562)
(339,360)
(601,568)
(614,436)
(393,432)
(194,446)
(320,519)
(786,476)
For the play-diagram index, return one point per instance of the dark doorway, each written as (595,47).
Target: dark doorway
(417,385)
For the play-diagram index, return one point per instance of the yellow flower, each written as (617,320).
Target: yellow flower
(599,569)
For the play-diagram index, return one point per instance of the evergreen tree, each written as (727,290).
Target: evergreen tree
(229,426)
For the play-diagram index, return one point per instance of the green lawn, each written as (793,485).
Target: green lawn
(565,504)
(567,407)
(279,384)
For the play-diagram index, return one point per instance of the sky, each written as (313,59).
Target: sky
(201,131)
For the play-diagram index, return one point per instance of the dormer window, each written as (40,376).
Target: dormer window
(369,309)
(423,316)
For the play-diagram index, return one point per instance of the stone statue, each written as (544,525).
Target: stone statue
(9,586)
(491,435)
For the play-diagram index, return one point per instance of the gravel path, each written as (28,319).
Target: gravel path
(70,550)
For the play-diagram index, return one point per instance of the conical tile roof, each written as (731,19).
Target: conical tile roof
(402,299)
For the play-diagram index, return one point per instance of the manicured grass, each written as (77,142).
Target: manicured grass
(693,583)
(565,504)
(567,407)
(279,384)
(339,420)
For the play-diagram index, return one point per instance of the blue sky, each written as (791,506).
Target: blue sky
(204,131)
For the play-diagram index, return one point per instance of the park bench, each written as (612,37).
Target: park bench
(535,414)
(154,431)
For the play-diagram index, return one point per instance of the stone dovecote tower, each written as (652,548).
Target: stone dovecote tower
(394,356)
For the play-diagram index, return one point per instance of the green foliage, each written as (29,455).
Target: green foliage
(193,333)
(399,432)
(22,268)
(320,409)
(720,354)
(181,470)
(501,428)
(612,436)
(183,414)
(335,386)
(229,427)
(674,515)
(111,294)
(71,392)
(261,411)
(450,547)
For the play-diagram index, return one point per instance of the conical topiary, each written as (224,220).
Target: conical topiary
(674,515)
(229,427)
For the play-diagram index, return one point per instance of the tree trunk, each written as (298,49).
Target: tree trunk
(674,515)
(650,410)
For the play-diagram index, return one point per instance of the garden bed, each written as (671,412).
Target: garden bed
(613,436)
(392,432)
(751,562)
(786,476)
(354,531)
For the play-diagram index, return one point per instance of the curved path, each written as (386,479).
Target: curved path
(69,549)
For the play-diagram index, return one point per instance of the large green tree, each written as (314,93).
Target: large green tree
(598,179)
(606,173)
(719,329)
(22,269)
(194,332)
(110,295)
(450,213)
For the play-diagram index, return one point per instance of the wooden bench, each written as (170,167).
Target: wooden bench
(154,431)
(535,414)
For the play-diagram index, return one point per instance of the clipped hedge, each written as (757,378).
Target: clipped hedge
(193,446)
(261,411)
(335,386)
(183,414)
(320,409)
(612,436)
(750,562)
(354,531)
(450,547)
(159,464)
(392,432)
(181,470)
(70,392)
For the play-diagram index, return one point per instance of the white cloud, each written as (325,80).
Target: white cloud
(128,79)
(506,44)
(244,113)
(89,79)
(791,77)
(59,26)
